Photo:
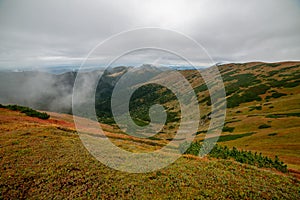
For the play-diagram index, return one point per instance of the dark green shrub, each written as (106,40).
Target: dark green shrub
(291,81)
(292,84)
(241,156)
(242,81)
(228,129)
(249,95)
(255,108)
(200,88)
(273,64)
(28,111)
(264,126)
(276,95)
(199,132)
(283,115)
(272,134)
(192,149)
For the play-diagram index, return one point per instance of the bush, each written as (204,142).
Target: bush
(228,129)
(289,82)
(243,81)
(200,88)
(276,95)
(283,115)
(251,94)
(148,95)
(241,156)
(264,126)
(272,134)
(28,111)
(255,108)
(193,148)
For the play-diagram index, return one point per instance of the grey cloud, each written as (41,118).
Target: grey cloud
(42,33)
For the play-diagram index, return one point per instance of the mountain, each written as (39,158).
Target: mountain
(262,101)
(46,158)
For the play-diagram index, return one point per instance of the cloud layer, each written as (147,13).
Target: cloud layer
(46,33)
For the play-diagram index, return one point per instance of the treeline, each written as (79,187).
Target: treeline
(28,111)
(241,156)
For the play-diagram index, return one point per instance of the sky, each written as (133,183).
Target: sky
(36,34)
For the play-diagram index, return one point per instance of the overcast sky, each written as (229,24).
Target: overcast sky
(35,33)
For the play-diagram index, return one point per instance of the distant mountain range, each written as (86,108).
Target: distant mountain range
(60,69)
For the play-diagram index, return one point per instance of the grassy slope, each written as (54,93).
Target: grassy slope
(282,138)
(286,142)
(45,159)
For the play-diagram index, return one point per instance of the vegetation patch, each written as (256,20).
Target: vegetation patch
(207,100)
(255,67)
(276,95)
(225,138)
(249,95)
(292,84)
(281,115)
(201,88)
(242,81)
(264,126)
(292,81)
(273,64)
(28,111)
(200,132)
(232,121)
(272,134)
(228,129)
(240,156)
(255,108)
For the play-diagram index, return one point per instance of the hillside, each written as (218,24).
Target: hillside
(262,107)
(262,102)
(263,99)
(46,159)
(39,158)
